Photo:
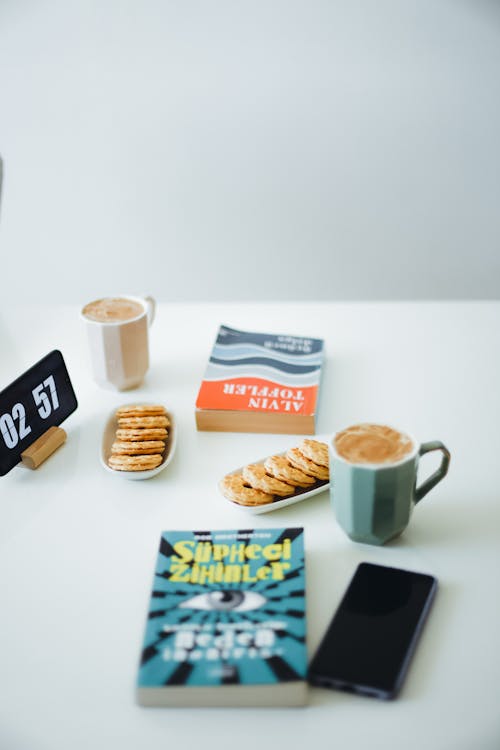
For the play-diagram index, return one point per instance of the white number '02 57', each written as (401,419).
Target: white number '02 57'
(12,434)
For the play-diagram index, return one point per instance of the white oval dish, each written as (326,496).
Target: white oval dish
(108,438)
(298,497)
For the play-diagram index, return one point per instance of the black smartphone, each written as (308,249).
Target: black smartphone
(370,640)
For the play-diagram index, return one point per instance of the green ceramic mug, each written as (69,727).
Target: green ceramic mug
(373,502)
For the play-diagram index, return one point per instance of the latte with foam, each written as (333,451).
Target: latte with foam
(372,444)
(117,329)
(112,310)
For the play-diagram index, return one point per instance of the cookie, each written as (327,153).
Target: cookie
(147,433)
(142,422)
(299,461)
(134,463)
(279,467)
(137,447)
(257,476)
(234,488)
(134,410)
(314,451)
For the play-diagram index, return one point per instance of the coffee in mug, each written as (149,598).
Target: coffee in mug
(112,310)
(372,444)
(373,470)
(117,329)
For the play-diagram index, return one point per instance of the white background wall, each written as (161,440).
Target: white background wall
(280,149)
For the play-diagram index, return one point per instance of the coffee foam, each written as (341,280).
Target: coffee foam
(372,444)
(112,310)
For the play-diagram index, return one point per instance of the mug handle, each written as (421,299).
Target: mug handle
(151,305)
(425,487)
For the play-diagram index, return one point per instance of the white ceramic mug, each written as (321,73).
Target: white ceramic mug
(119,349)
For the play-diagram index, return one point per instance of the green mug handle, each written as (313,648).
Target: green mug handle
(425,487)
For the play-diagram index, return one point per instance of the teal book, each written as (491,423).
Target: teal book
(227,620)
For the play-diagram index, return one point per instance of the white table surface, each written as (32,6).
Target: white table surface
(78,545)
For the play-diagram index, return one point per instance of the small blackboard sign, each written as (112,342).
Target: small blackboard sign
(42,397)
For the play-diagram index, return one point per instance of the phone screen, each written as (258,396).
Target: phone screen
(371,637)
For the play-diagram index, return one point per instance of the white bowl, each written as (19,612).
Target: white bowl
(108,438)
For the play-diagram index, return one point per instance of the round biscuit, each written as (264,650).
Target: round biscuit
(151,433)
(258,477)
(282,469)
(138,410)
(299,461)
(134,463)
(234,488)
(314,451)
(137,447)
(142,422)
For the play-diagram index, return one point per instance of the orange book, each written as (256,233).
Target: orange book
(259,382)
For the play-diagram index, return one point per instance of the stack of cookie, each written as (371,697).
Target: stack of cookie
(140,438)
(301,469)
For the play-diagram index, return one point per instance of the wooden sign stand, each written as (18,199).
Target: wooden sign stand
(43,447)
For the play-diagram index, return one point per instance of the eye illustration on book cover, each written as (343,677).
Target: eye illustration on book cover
(227,608)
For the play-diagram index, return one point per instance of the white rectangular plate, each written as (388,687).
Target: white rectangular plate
(297,497)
